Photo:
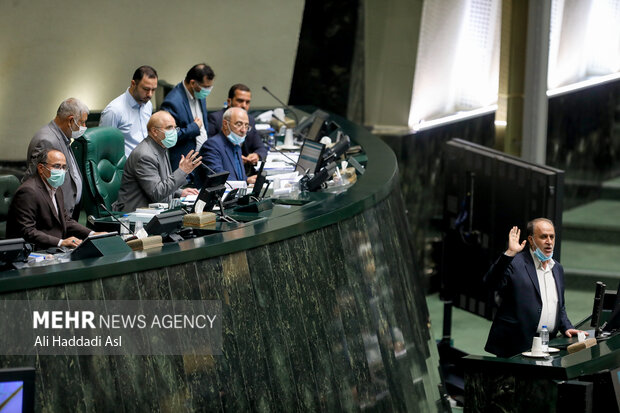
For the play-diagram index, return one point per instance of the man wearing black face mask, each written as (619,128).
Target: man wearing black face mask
(69,123)
(37,213)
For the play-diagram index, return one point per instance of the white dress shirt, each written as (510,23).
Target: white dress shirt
(548,293)
(194,105)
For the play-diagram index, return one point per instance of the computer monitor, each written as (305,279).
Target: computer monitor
(311,127)
(613,323)
(17,390)
(212,190)
(310,157)
(10,250)
(165,223)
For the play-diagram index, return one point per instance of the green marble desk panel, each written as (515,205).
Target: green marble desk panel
(522,384)
(323,310)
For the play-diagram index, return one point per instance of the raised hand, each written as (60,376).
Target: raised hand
(513,242)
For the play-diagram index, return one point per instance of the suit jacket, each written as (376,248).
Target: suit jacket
(32,216)
(518,315)
(218,153)
(177,104)
(253,142)
(148,177)
(51,137)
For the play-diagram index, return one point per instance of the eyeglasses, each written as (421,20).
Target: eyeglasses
(168,129)
(58,166)
(239,125)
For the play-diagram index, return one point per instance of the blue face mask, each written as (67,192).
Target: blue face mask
(235,139)
(203,93)
(541,256)
(56,178)
(171,138)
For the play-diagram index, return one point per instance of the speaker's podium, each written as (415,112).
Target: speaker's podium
(585,381)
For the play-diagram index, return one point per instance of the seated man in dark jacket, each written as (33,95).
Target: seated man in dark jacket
(253,148)
(37,213)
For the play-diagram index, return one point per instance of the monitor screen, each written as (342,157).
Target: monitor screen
(165,223)
(17,390)
(10,249)
(613,323)
(212,190)
(310,157)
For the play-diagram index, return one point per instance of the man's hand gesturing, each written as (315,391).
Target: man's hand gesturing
(513,242)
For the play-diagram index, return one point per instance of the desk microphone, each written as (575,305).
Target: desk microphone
(283,104)
(281,153)
(119,221)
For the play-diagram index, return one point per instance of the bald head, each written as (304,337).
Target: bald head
(158,124)
(235,119)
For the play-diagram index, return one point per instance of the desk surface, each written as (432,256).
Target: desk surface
(281,223)
(560,366)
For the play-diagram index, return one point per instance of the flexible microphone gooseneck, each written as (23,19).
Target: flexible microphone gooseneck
(283,104)
(117,220)
(281,153)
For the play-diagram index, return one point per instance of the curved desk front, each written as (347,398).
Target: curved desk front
(322,310)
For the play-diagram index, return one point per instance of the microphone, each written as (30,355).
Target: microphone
(281,153)
(337,150)
(118,220)
(283,104)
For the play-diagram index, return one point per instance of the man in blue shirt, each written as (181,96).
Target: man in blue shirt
(222,152)
(131,111)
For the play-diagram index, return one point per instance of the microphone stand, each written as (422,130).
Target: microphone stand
(283,104)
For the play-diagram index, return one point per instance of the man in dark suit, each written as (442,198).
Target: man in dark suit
(222,152)
(186,103)
(530,285)
(253,148)
(69,123)
(37,213)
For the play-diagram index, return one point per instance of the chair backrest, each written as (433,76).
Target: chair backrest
(8,187)
(100,154)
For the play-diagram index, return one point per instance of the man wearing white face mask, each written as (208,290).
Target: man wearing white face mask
(222,152)
(69,123)
(148,176)
(36,212)
(186,102)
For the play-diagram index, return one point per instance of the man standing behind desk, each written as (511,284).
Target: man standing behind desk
(253,148)
(131,111)
(531,287)
(222,152)
(37,214)
(186,103)
(147,176)
(69,123)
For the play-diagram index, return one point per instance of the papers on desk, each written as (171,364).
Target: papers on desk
(277,163)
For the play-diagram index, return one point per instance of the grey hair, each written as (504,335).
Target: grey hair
(532,224)
(72,106)
(228,114)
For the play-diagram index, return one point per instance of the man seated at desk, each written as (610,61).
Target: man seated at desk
(222,152)
(147,176)
(37,213)
(253,148)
